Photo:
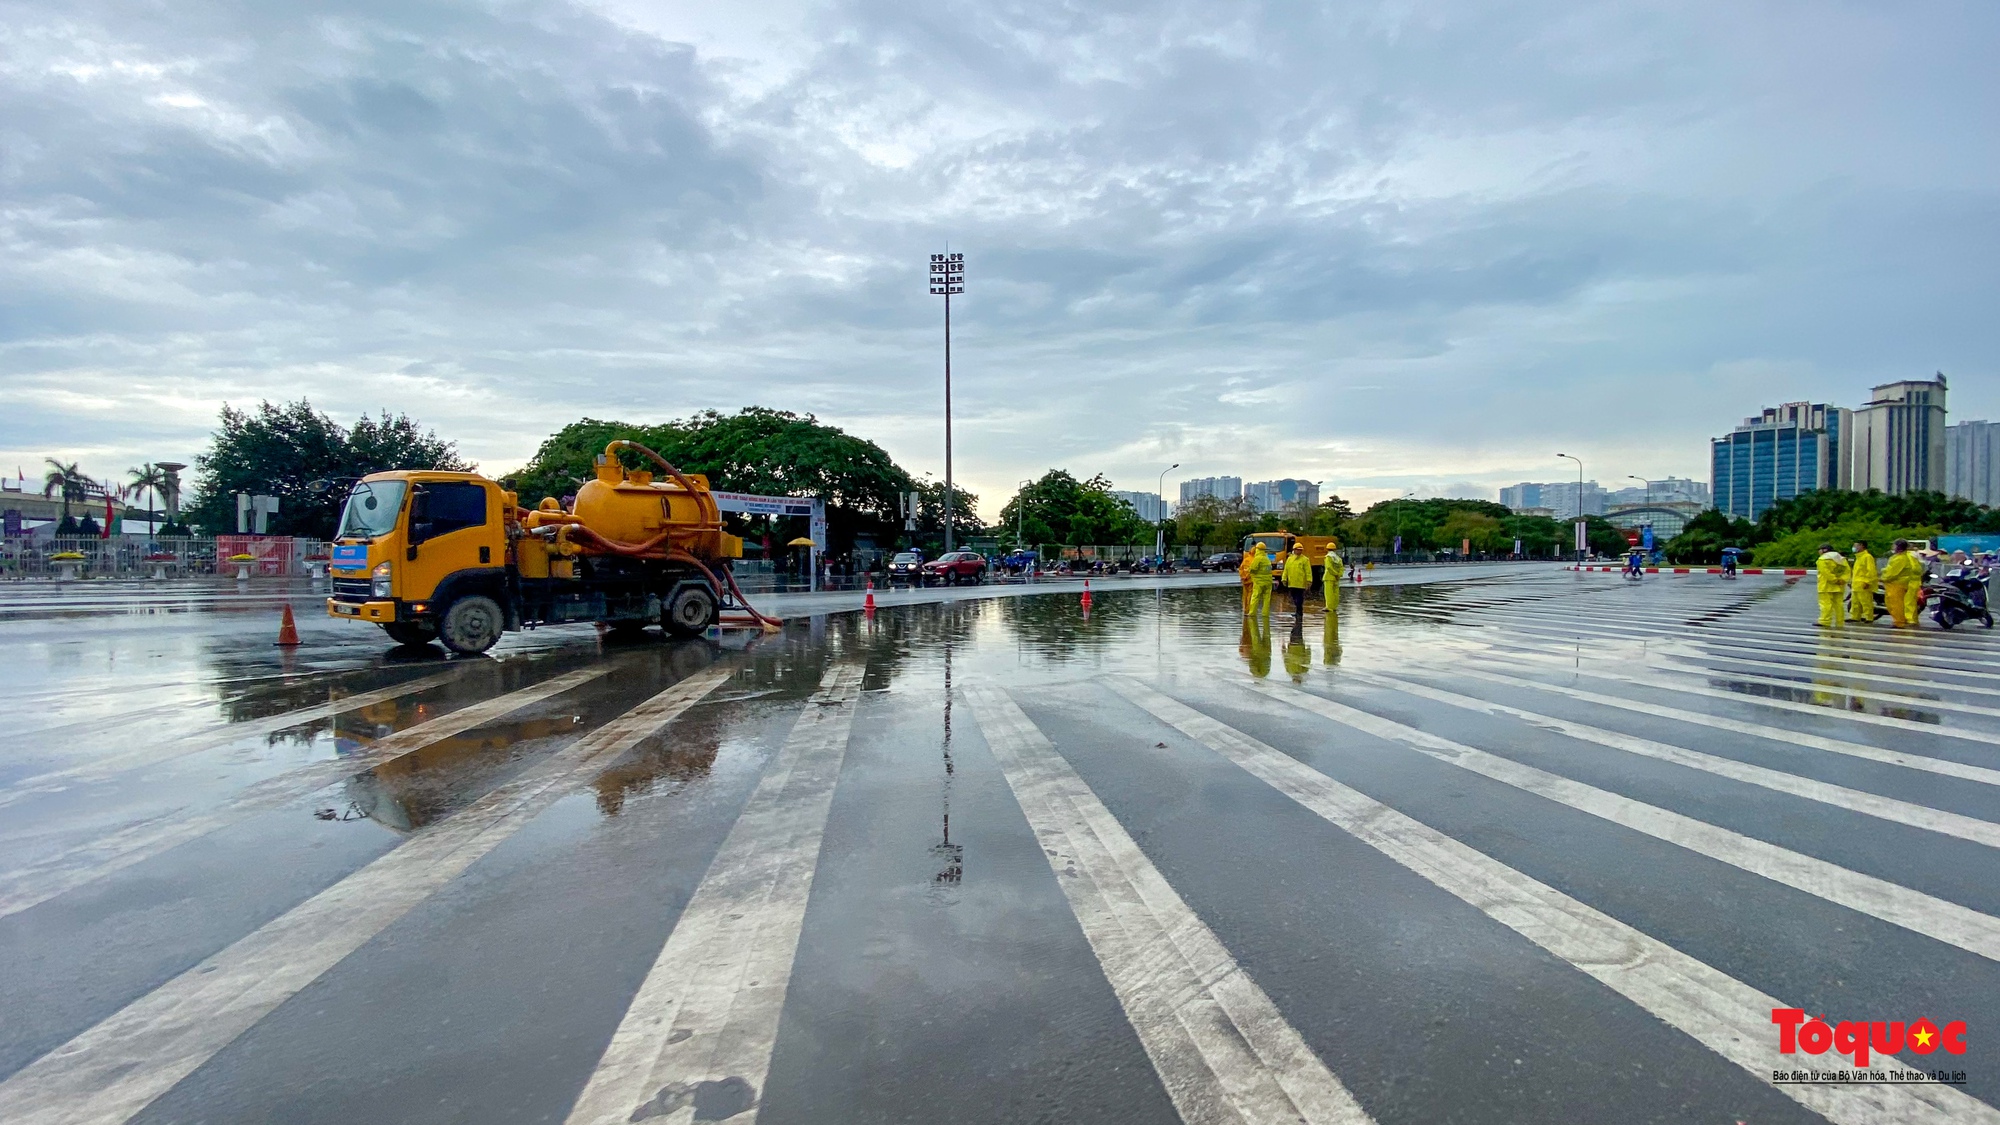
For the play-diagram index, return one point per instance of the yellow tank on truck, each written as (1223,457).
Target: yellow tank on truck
(453,557)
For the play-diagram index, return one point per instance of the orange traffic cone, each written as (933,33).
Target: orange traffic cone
(1086,593)
(868,603)
(288,630)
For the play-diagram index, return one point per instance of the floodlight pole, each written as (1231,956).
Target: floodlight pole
(1160,525)
(947,278)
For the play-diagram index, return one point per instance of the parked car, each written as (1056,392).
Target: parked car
(956,567)
(1223,560)
(907,566)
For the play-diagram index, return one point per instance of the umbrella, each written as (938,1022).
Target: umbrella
(801,541)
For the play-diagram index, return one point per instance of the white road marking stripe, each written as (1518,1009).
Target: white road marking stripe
(700,1031)
(1942,766)
(1223,1050)
(37,883)
(1915,911)
(1882,696)
(1893,723)
(112,1071)
(1875,648)
(209,738)
(1870,804)
(1716,1010)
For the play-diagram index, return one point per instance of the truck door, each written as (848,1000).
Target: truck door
(454,526)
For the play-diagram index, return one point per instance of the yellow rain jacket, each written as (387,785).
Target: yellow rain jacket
(1298,571)
(1259,566)
(1863,568)
(1833,573)
(1904,566)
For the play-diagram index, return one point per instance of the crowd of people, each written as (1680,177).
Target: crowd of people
(1906,581)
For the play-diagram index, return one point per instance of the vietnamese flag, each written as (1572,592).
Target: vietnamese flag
(105,531)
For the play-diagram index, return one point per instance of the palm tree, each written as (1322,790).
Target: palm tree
(147,478)
(67,481)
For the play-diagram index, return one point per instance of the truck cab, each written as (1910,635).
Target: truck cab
(413,545)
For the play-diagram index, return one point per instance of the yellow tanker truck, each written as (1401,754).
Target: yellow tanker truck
(453,556)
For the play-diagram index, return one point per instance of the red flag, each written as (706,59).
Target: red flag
(105,531)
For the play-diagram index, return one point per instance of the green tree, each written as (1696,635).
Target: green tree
(68,482)
(763,451)
(1058,508)
(305,459)
(147,481)
(1422,523)
(1801,548)
(1540,536)
(1704,537)
(1827,507)
(1207,521)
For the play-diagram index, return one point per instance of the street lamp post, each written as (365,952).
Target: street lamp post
(1649,498)
(1581,538)
(947,278)
(1160,525)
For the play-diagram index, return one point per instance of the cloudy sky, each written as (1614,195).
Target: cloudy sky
(1393,247)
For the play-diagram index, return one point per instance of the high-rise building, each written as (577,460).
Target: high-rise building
(1971,469)
(1898,438)
(1667,490)
(1788,449)
(1222,488)
(1559,497)
(1150,506)
(1277,495)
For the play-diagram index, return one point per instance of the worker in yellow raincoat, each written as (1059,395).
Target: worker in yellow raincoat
(1833,575)
(1335,566)
(1298,579)
(1902,578)
(1258,564)
(1861,585)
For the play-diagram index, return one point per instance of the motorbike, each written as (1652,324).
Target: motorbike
(1960,596)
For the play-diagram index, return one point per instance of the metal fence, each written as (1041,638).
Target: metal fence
(129,556)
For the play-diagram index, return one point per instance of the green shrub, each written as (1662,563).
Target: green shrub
(1801,548)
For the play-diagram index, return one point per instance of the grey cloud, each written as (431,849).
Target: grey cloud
(1393,244)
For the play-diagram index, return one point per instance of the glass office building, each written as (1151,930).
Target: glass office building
(1777,455)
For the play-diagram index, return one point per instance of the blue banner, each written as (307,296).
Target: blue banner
(350,555)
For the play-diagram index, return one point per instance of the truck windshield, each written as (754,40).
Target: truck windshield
(371,509)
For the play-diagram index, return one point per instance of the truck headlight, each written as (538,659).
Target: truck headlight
(381,576)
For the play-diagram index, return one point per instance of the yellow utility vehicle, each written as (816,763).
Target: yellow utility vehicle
(453,557)
(1281,543)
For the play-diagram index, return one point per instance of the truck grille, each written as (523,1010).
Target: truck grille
(352,589)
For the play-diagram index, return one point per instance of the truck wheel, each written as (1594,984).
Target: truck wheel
(471,625)
(690,610)
(410,632)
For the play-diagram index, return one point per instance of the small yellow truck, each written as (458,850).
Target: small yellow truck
(453,557)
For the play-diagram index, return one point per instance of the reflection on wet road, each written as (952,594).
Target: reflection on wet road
(1510,845)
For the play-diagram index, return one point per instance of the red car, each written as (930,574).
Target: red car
(956,567)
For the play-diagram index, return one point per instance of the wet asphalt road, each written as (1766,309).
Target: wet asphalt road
(1496,845)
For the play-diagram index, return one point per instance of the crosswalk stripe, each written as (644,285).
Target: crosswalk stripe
(222,734)
(1880,696)
(1915,911)
(37,883)
(1879,646)
(1223,1051)
(1943,766)
(699,1033)
(1837,672)
(1983,738)
(115,1069)
(1869,804)
(1721,1013)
